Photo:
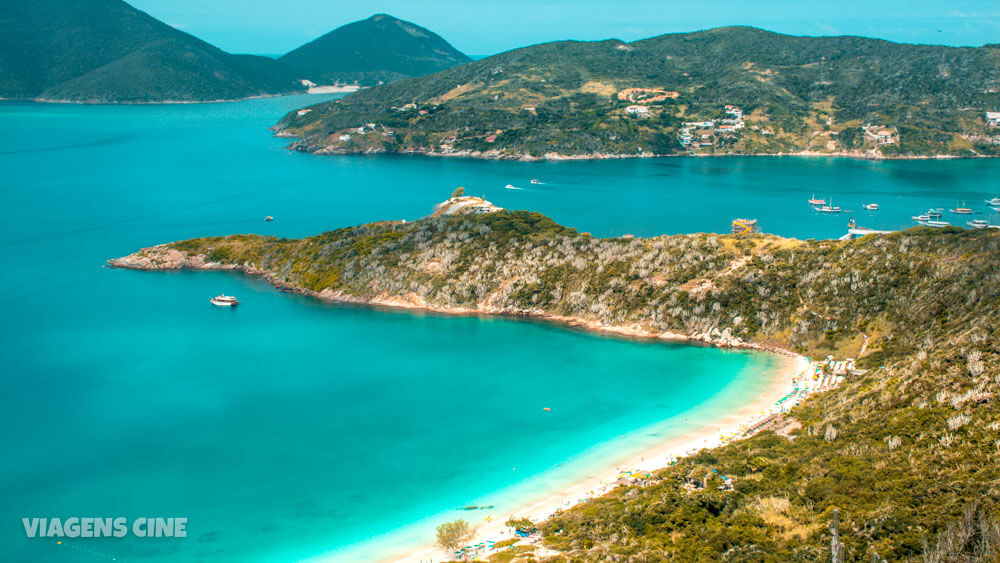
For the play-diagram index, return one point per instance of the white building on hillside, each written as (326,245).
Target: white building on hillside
(881,135)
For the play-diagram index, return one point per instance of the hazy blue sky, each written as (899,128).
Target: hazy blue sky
(480,27)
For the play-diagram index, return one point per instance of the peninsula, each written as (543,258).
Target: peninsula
(898,462)
(731,90)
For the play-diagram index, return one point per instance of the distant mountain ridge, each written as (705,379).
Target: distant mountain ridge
(378,49)
(571,98)
(104,51)
(108,51)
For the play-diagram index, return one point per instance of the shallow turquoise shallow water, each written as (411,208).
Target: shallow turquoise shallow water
(287,429)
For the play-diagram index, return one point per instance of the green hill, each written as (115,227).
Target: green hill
(107,51)
(379,49)
(796,94)
(908,452)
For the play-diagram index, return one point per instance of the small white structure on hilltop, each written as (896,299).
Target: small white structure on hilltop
(993,118)
(637,110)
(464,205)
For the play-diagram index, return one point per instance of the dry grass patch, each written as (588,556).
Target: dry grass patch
(458,91)
(594,87)
(778,512)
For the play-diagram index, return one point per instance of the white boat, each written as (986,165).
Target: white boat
(995,202)
(537,181)
(871,206)
(828,209)
(962,210)
(978,223)
(224,301)
(922,217)
(269,218)
(814,201)
(935,224)
(512,187)
(935,213)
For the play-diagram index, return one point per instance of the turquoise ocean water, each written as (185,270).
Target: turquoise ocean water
(288,429)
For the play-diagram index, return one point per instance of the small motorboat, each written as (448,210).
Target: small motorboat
(978,223)
(512,187)
(922,217)
(935,224)
(224,300)
(995,202)
(871,206)
(537,181)
(269,218)
(829,209)
(814,201)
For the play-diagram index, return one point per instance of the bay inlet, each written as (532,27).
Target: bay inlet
(288,428)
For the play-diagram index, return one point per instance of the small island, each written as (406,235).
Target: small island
(884,464)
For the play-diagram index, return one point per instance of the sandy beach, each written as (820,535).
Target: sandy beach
(782,382)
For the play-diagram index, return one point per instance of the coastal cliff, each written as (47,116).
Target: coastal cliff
(903,450)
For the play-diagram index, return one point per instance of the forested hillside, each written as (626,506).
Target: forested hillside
(107,51)
(379,49)
(572,98)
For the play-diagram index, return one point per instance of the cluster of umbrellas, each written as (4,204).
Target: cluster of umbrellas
(488,544)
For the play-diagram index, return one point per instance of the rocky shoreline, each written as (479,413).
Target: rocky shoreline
(163,258)
(554,156)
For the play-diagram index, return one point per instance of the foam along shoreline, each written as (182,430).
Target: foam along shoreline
(787,385)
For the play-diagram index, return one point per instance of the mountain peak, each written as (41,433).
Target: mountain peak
(381,48)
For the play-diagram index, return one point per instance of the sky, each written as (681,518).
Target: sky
(484,27)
